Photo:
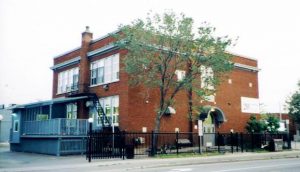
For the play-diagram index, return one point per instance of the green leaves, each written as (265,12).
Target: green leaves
(255,126)
(160,45)
(294,106)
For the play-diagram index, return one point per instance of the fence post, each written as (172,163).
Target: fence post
(218,142)
(152,144)
(242,142)
(289,141)
(252,141)
(90,142)
(199,139)
(123,144)
(237,141)
(177,136)
(265,137)
(231,140)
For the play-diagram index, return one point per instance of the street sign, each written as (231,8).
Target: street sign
(200,128)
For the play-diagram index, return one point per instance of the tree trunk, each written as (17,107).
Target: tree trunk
(155,134)
(190,114)
(190,102)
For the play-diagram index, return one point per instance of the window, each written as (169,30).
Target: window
(180,74)
(105,70)
(71,111)
(110,107)
(207,76)
(68,80)
(16,126)
(97,72)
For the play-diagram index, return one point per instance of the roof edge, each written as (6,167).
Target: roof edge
(93,41)
(240,55)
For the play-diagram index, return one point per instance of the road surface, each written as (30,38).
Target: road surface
(275,165)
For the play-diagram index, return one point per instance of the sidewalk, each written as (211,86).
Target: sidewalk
(12,161)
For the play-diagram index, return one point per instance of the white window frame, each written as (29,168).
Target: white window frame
(207,74)
(68,80)
(180,75)
(114,103)
(111,69)
(71,108)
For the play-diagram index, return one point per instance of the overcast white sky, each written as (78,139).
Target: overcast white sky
(32,32)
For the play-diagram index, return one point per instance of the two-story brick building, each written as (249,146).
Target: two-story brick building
(89,81)
(96,67)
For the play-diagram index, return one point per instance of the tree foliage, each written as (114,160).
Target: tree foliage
(255,126)
(272,124)
(161,46)
(294,106)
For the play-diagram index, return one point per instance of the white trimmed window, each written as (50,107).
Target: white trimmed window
(105,70)
(71,111)
(180,74)
(207,75)
(68,80)
(110,106)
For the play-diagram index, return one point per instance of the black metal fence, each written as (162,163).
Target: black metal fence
(137,144)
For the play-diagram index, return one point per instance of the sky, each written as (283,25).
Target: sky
(32,32)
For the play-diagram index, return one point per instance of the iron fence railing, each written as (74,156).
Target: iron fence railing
(130,144)
(57,126)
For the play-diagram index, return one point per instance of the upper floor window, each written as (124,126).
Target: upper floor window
(207,76)
(105,70)
(180,74)
(68,80)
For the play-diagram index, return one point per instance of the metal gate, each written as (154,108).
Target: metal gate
(102,145)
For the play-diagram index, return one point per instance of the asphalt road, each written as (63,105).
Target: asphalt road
(276,165)
(273,162)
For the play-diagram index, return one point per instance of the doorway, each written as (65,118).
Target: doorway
(209,131)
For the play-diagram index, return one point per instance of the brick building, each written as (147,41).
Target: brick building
(96,68)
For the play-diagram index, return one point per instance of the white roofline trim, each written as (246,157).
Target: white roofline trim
(66,63)
(93,41)
(102,50)
(105,36)
(246,67)
(49,102)
(66,52)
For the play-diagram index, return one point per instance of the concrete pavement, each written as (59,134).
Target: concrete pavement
(16,161)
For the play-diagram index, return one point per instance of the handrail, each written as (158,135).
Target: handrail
(57,126)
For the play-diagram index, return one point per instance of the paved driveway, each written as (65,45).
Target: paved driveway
(20,159)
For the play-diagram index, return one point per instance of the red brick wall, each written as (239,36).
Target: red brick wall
(138,104)
(229,98)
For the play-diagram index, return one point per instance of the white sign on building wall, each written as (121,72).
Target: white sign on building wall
(249,105)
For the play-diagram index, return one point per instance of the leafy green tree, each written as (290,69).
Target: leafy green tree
(164,45)
(255,126)
(294,106)
(272,124)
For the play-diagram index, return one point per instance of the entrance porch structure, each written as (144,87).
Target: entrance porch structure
(50,127)
(212,117)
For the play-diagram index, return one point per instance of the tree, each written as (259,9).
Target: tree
(255,126)
(294,106)
(272,124)
(164,45)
